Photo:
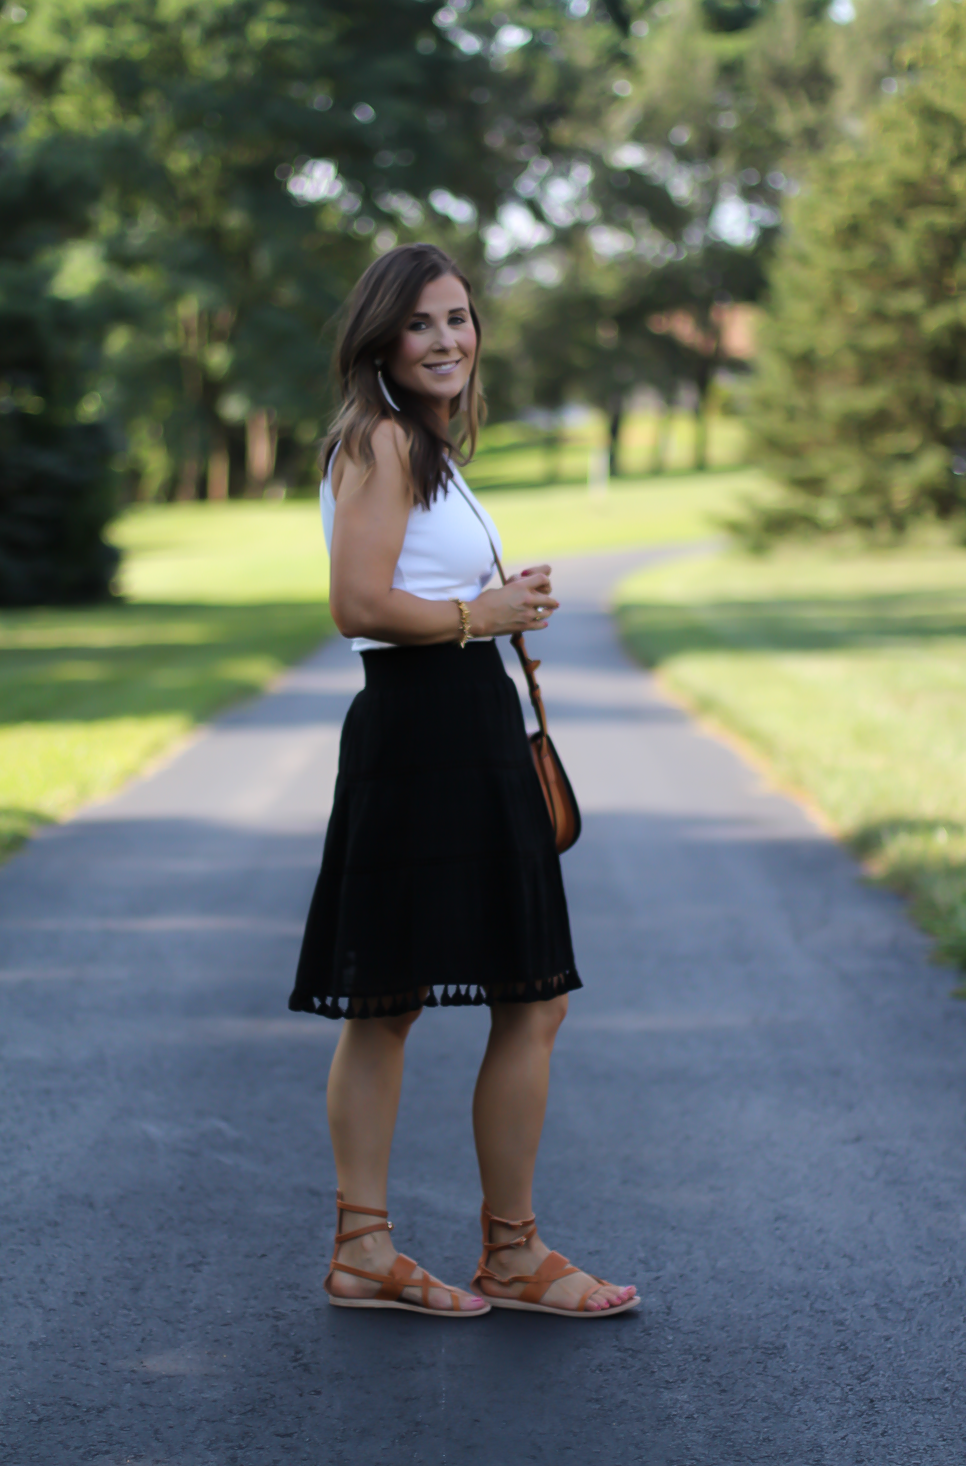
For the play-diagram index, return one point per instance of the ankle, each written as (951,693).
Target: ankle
(367,1252)
(501,1233)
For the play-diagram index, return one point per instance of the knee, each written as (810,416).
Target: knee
(537,1023)
(400,1024)
(552,1013)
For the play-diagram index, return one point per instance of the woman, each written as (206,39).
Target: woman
(440,881)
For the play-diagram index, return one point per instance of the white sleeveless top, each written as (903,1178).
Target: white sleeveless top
(445,554)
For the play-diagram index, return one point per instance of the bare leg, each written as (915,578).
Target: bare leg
(363,1099)
(508,1111)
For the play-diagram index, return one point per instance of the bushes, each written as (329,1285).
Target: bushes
(55,501)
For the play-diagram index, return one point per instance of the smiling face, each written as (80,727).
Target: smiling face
(435,352)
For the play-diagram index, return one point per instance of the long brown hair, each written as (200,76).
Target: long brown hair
(376,314)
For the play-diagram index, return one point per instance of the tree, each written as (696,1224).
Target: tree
(661,186)
(57,492)
(277,139)
(859,405)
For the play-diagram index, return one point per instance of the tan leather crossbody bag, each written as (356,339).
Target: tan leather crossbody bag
(561,803)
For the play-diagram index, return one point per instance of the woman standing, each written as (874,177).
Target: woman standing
(440,880)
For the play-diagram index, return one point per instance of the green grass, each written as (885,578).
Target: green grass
(218,599)
(221,599)
(847,671)
(518,456)
(539,523)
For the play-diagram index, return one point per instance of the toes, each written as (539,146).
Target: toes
(611,1297)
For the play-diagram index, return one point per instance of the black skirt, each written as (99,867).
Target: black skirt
(440,880)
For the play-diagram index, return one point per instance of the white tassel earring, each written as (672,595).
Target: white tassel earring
(465,396)
(385,392)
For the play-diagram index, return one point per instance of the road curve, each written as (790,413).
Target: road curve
(757,1114)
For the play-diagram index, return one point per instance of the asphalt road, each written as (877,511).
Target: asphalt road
(757,1114)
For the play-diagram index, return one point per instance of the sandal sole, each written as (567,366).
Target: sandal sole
(563,1312)
(409,1307)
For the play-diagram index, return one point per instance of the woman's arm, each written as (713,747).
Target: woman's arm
(372,511)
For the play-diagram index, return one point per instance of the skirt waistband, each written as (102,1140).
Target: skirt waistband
(404,666)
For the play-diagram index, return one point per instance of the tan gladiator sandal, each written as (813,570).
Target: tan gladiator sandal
(399,1277)
(551,1270)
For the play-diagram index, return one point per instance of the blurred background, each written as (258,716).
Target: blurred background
(719,248)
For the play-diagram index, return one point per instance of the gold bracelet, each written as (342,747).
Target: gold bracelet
(464,631)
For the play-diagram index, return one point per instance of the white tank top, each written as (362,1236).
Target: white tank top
(445,554)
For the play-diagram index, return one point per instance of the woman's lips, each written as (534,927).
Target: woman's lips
(441,368)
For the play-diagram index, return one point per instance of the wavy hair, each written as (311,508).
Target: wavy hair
(376,314)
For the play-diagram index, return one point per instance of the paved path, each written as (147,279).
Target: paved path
(758,1114)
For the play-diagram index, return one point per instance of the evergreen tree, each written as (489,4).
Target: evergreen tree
(859,404)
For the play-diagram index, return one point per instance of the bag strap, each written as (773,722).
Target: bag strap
(516,640)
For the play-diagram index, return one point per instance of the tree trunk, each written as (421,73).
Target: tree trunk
(703,378)
(614,423)
(189,474)
(551,445)
(219,465)
(662,435)
(700,436)
(261,438)
(192,322)
(703,384)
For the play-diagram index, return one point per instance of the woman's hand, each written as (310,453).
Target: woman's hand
(525,603)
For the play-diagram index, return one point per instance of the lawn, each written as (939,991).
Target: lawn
(218,599)
(847,672)
(520,455)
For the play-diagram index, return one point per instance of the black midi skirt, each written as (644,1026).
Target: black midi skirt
(440,880)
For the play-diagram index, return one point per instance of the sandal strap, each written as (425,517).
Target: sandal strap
(598,1283)
(487,1219)
(341,1205)
(551,1270)
(424,1283)
(554,1266)
(397,1280)
(393,1283)
(362,1211)
(341,1237)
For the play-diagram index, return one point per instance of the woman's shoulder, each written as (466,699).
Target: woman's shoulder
(383,469)
(390,444)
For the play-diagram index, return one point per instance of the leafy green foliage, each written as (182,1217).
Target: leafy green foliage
(859,405)
(228,167)
(56,489)
(731,15)
(274,143)
(663,184)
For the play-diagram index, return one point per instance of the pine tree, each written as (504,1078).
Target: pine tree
(859,404)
